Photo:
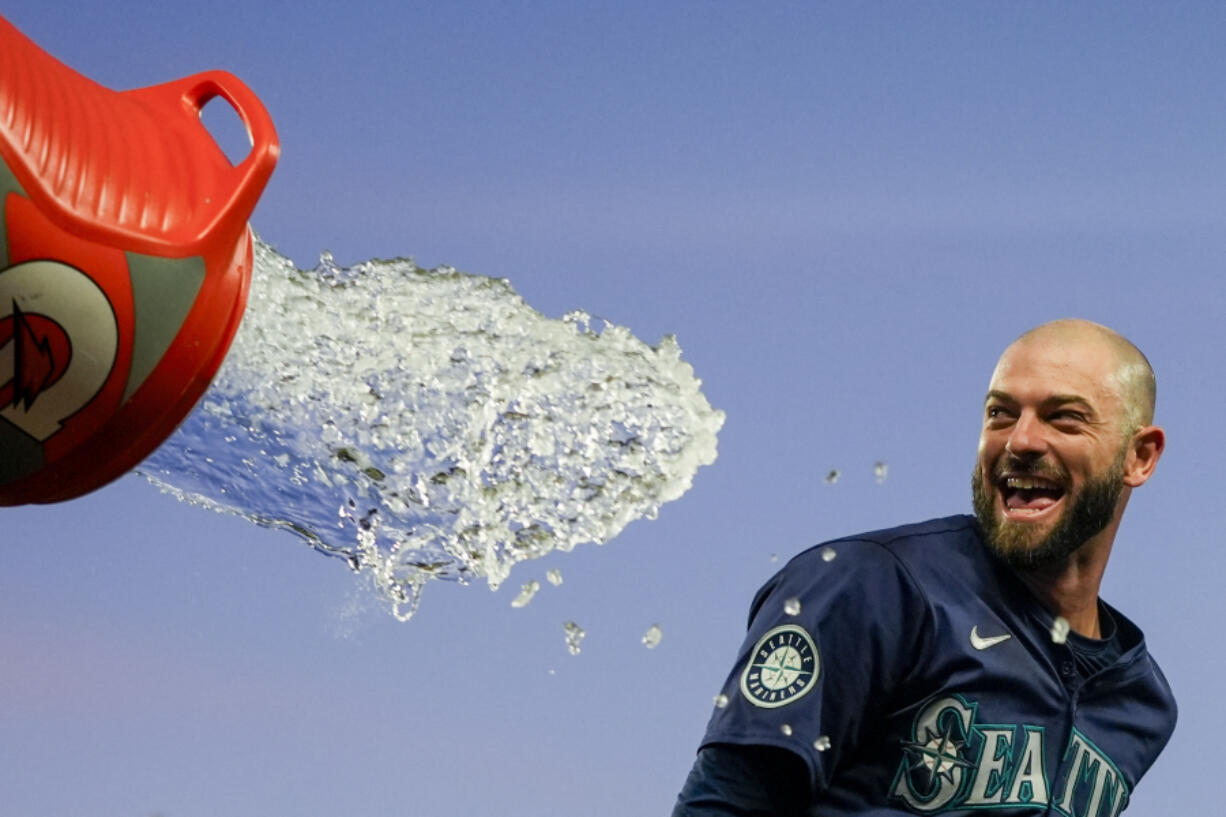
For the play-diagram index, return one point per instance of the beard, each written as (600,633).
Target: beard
(1024,547)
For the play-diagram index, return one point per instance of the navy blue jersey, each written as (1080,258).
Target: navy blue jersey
(915,674)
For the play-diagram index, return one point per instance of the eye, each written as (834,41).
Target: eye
(1067,420)
(997,414)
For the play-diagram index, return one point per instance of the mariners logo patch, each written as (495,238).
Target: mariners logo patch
(783,667)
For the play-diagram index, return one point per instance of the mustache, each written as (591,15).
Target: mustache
(1030,467)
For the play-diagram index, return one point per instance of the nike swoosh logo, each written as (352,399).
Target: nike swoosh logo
(981,643)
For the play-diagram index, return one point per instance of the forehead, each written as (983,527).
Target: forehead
(1038,368)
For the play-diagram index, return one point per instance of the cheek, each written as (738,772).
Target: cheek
(1083,460)
(988,449)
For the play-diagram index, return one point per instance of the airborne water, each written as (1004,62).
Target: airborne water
(428,424)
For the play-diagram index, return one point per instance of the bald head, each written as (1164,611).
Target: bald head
(1130,376)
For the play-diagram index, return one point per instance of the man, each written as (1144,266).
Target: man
(964,663)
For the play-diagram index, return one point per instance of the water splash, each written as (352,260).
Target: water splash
(786,729)
(833,476)
(822,744)
(1060,630)
(427,424)
(574,636)
(791,606)
(526,593)
(554,577)
(651,638)
(720,701)
(880,471)
(828,554)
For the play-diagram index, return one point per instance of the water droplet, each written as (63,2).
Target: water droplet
(651,638)
(828,554)
(822,744)
(553,672)
(554,577)
(833,476)
(792,606)
(526,593)
(880,471)
(786,729)
(574,636)
(721,701)
(1059,630)
(774,557)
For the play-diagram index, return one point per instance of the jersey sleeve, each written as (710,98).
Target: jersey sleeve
(744,781)
(830,637)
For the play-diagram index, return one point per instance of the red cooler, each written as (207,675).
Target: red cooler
(125,259)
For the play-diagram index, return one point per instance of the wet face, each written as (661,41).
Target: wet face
(1052,451)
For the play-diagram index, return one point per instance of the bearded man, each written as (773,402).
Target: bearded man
(967,662)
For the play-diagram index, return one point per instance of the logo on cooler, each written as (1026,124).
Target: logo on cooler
(41,351)
(58,342)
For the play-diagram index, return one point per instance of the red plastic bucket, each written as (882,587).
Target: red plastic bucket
(125,259)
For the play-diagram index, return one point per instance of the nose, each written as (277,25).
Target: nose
(1026,438)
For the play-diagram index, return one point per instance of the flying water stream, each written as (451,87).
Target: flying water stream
(426,424)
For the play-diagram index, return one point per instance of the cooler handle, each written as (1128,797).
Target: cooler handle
(248,178)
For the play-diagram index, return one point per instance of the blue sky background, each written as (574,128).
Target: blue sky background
(843,210)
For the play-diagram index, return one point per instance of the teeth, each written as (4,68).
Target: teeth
(1028,483)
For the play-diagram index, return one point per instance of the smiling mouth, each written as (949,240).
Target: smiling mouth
(1027,496)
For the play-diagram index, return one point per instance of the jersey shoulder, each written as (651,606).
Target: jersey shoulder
(903,538)
(922,549)
(891,563)
(940,561)
(901,542)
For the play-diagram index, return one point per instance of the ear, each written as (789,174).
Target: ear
(1143,452)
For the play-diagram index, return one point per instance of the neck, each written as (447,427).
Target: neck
(1070,592)
(1070,589)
